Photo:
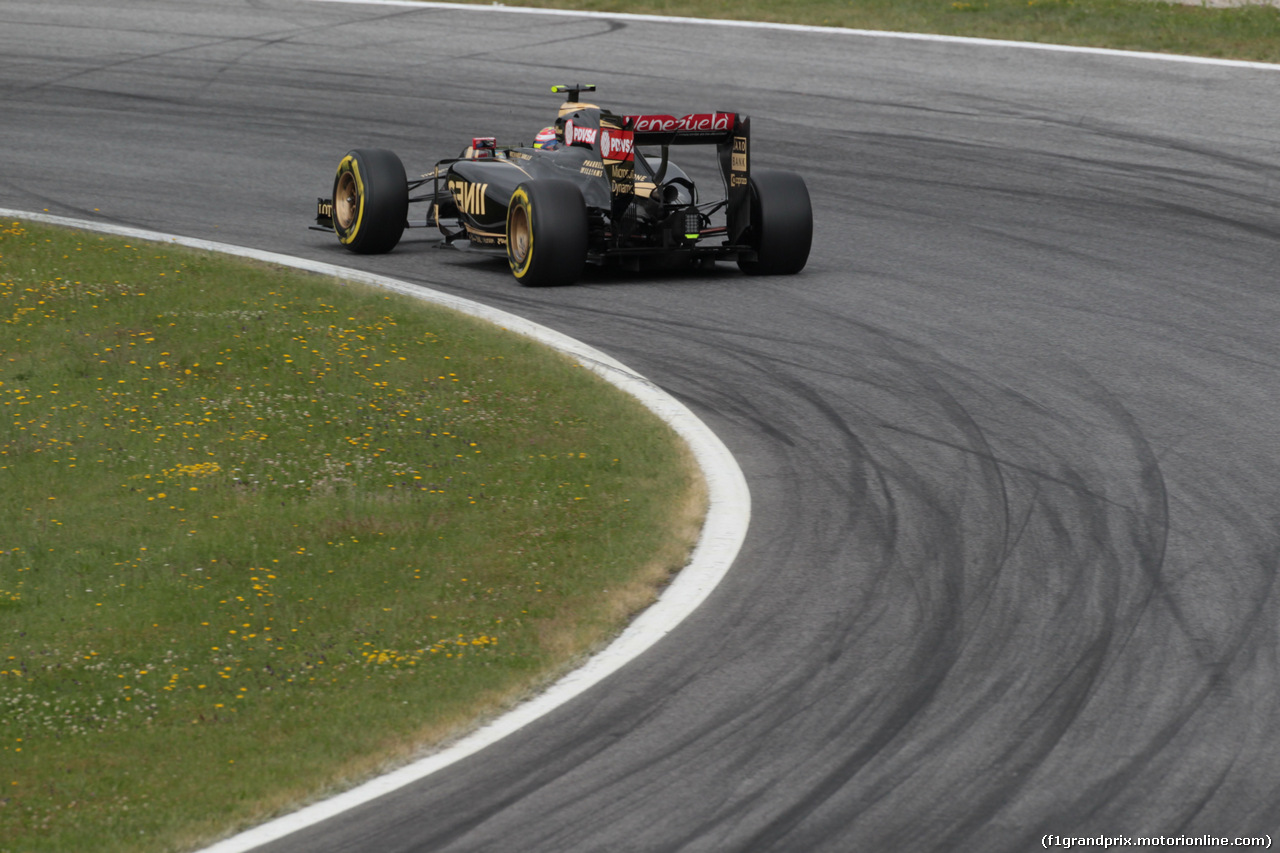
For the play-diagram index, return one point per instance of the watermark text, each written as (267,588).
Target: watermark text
(1111,842)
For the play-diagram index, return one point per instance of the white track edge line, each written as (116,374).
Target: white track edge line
(725,528)
(832,31)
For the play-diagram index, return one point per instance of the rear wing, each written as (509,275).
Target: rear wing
(695,129)
(729,132)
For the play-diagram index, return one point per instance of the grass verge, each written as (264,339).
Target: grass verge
(1249,32)
(262,535)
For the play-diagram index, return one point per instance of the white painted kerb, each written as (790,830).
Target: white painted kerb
(728,514)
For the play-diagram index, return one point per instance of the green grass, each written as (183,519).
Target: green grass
(1251,33)
(262,534)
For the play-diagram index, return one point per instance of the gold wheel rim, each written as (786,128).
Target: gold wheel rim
(518,234)
(346,201)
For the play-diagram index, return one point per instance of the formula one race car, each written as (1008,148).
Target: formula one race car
(585,192)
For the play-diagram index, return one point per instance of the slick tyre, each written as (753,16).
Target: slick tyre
(547,233)
(781,224)
(370,201)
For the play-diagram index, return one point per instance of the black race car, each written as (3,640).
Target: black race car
(590,195)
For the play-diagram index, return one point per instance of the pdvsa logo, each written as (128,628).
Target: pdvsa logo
(574,135)
(618,145)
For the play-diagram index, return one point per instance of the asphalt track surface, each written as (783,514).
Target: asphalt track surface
(1011,437)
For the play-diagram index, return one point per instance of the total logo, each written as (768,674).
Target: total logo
(617,145)
(694,121)
(574,135)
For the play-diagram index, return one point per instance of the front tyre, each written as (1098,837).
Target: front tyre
(370,201)
(547,233)
(781,224)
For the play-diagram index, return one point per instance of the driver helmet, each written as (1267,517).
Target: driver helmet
(546,139)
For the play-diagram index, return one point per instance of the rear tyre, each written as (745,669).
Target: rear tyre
(547,233)
(781,224)
(370,201)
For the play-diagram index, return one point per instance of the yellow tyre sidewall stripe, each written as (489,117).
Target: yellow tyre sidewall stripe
(351,164)
(520,198)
